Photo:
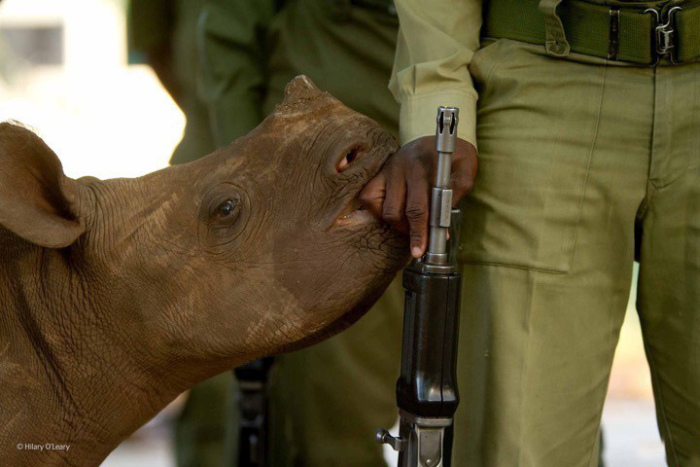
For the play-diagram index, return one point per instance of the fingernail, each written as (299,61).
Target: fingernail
(416,252)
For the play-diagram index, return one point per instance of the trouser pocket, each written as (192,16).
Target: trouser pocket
(536,130)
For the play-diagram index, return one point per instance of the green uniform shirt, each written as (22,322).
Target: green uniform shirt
(436,42)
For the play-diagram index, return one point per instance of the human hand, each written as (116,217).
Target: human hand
(400,193)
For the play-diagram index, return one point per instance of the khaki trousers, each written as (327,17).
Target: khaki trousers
(582,163)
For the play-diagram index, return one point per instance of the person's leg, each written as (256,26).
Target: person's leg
(547,249)
(669,282)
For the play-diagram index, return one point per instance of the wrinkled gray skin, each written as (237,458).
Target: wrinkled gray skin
(117,295)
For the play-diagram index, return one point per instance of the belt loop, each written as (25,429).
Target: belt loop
(556,43)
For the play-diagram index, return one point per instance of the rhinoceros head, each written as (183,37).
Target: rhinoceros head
(258,248)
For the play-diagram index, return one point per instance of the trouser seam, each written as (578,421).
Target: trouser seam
(523,379)
(660,401)
(590,161)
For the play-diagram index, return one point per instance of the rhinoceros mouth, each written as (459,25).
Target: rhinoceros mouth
(354,214)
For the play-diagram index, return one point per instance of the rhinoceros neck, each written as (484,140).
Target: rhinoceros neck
(68,374)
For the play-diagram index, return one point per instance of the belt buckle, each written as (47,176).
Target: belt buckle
(665,37)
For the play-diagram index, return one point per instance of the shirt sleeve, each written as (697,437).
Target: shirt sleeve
(436,42)
(231,36)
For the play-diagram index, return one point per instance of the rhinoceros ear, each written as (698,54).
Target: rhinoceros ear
(300,89)
(35,196)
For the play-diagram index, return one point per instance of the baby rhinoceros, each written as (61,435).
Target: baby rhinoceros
(117,295)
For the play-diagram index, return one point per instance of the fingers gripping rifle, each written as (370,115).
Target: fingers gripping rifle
(426,391)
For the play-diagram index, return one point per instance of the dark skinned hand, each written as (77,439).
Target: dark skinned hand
(400,193)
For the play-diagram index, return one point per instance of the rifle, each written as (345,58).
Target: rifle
(426,391)
(253,407)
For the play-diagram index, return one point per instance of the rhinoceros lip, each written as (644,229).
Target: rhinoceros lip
(354,213)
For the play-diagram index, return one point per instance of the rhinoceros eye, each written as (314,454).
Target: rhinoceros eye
(348,159)
(222,214)
(227,208)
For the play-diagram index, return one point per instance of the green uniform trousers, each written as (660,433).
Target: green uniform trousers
(583,164)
